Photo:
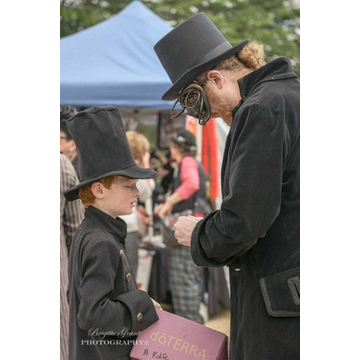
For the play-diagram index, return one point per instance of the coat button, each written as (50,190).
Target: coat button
(128,277)
(122,254)
(139,317)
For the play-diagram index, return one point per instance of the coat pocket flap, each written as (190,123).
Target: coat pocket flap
(281,293)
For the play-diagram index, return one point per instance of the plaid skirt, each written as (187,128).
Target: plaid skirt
(185,284)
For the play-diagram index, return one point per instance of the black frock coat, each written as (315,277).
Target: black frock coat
(106,308)
(256,230)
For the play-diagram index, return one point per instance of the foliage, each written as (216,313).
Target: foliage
(275,23)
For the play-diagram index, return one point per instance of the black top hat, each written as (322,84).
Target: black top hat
(193,47)
(103,148)
(185,139)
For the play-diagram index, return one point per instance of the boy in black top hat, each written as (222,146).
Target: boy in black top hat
(107,310)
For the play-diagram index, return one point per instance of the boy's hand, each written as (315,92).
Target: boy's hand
(156,304)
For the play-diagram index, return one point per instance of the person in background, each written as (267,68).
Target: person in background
(168,166)
(67,143)
(164,165)
(155,159)
(139,146)
(71,215)
(189,194)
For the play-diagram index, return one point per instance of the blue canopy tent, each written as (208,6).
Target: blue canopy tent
(113,62)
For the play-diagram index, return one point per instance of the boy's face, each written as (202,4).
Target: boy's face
(121,198)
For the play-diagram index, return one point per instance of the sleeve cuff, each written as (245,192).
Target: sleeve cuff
(141,308)
(197,252)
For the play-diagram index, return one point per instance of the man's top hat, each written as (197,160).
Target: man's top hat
(103,148)
(193,47)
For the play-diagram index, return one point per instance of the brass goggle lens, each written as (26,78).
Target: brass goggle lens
(194,102)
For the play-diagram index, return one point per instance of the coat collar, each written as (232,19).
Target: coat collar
(277,69)
(117,227)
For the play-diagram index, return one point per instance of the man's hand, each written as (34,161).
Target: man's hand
(184,228)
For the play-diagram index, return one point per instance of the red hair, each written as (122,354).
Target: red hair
(86,195)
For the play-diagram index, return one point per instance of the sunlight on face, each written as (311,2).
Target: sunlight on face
(122,196)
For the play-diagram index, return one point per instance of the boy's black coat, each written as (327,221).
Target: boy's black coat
(256,231)
(102,294)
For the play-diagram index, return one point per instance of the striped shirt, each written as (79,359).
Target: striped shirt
(71,215)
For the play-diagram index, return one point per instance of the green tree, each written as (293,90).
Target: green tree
(275,23)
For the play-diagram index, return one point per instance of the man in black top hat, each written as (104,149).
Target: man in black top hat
(256,230)
(106,308)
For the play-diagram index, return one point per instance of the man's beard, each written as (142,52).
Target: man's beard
(224,111)
(227,119)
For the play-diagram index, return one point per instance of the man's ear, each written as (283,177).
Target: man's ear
(97,190)
(216,78)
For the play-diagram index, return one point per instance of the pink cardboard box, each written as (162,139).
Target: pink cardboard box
(176,338)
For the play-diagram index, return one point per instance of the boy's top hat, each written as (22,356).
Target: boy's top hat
(193,47)
(103,148)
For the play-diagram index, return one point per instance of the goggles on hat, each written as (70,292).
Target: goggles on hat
(194,102)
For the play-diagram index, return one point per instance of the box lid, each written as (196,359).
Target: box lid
(175,338)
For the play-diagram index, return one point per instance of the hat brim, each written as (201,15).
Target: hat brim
(183,145)
(132,172)
(197,70)
(174,139)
